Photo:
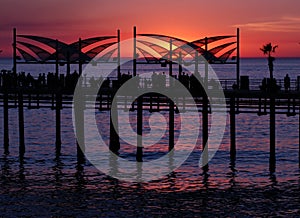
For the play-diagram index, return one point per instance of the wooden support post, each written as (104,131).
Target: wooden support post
(171,125)
(56,57)
(114,143)
(134,51)
(5,114)
(205,133)
(171,59)
(21,124)
(206,65)
(139,152)
(299,140)
(272,135)
(238,58)
(58,122)
(232,130)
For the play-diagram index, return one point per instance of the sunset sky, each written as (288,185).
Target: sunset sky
(260,21)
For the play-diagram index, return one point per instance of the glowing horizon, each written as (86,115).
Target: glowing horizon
(259,22)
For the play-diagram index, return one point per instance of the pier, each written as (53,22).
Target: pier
(55,90)
(237,102)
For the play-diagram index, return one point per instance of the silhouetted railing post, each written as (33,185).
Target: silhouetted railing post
(299,139)
(21,124)
(171,59)
(80,62)
(15,50)
(139,152)
(171,124)
(238,58)
(134,51)
(272,135)
(58,121)
(232,129)
(56,57)
(5,114)
(119,55)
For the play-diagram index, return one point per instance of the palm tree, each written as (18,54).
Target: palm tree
(268,49)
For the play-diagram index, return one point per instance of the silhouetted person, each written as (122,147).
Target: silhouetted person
(263,86)
(287,83)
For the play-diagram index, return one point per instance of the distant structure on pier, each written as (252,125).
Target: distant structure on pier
(42,50)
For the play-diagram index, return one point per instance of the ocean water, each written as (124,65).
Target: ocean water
(43,184)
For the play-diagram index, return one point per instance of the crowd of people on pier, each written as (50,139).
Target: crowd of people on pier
(10,79)
(267,84)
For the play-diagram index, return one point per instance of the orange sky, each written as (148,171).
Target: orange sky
(260,21)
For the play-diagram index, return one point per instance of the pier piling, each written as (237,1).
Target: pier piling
(139,151)
(272,135)
(79,105)
(171,125)
(5,114)
(205,133)
(232,129)
(114,143)
(21,124)
(58,122)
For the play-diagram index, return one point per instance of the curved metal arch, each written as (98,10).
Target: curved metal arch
(94,51)
(26,56)
(65,52)
(176,41)
(41,53)
(92,40)
(53,43)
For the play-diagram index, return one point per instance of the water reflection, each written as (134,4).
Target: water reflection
(57,169)
(206,176)
(21,170)
(80,177)
(273,180)
(5,167)
(232,174)
(113,164)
